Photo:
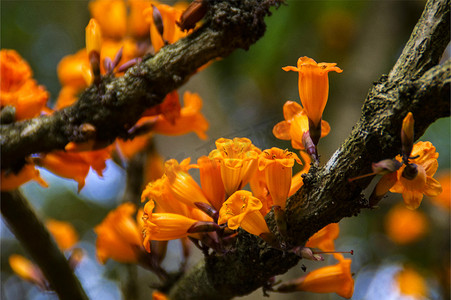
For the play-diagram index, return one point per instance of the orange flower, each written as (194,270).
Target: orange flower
(331,279)
(324,239)
(171,32)
(405,226)
(156,295)
(136,23)
(182,186)
(10,181)
(242,210)
(28,271)
(73,165)
(127,149)
(14,69)
(111,16)
(63,233)
(118,236)
(444,199)
(411,283)
(313,85)
(190,119)
(278,165)
(93,37)
(238,160)
(412,190)
(66,97)
(164,226)
(72,68)
(297,181)
(160,192)
(18,89)
(295,124)
(211,181)
(259,189)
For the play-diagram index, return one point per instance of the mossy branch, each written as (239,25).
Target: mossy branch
(416,84)
(37,241)
(115,105)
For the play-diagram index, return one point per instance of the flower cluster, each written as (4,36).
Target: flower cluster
(119,33)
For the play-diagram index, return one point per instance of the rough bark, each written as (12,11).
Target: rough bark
(115,105)
(416,84)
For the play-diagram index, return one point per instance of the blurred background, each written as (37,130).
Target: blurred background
(243,97)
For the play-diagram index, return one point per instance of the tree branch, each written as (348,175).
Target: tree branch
(116,104)
(415,84)
(35,238)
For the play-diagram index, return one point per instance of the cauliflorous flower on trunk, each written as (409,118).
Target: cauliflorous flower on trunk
(324,239)
(164,226)
(190,119)
(295,124)
(331,279)
(404,226)
(163,27)
(119,236)
(111,15)
(211,181)
(242,210)
(182,186)
(14,69)
(238,160)
(278,166)
(422,184)
(313,85)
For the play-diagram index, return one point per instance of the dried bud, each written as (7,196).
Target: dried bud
(386,166)
(202,226)
(210,211)
(407,135)
(193,14)
(157,19)
(309,146)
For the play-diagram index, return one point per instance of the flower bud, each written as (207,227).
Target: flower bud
(407,135)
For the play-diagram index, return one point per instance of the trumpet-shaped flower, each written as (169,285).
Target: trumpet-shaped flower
(404,226)
(111,16)
(182,186)
(164,226)
(313,85)
(170,31)
(324,239)
(166,202)
(238,160)
(211,181)
(295,124)
(119,236)
(278,165)
(331,279)
(190,119)
(71,70)
(93,37)
(63,233)
(242,210)
(412,190)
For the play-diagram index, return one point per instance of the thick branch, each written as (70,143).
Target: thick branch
(34,237)
(327,196)
(117,103)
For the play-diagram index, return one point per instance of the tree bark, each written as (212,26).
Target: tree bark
(416,84)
